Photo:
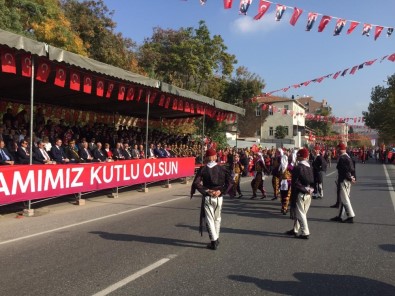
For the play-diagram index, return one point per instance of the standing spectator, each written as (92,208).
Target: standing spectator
(346,176)
(319,167)
(301,190)
(237,170)
(212,181)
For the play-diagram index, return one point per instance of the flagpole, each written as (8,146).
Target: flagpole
(145,189)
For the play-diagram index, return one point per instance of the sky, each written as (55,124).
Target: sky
(282,54)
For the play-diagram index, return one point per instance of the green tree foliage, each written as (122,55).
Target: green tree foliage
(92,21)
(280,132)
(381,111)
(188,58)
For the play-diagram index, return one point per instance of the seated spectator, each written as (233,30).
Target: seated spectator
(23,155)
(141,151)
(108,151)
(40,155)
(166,151)
(126,151)
(72,152)
(57,152)
(98,154)
(5,157)
(92,145)
(151,151)
(135,152)
(85,153)
(117,152)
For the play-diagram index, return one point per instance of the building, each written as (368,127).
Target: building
(312,106)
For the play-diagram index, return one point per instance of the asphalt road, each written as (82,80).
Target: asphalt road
(148,244)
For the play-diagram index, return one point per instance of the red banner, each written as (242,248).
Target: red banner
(25,182)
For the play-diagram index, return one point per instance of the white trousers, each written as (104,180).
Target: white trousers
(346,210)
(212,211)
(302,206)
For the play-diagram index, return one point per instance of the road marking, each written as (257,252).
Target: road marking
(134,276)
(88,221)
(330,173)
(391,188)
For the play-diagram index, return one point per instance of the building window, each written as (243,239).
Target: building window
(258,110)
(271,132)
(258,132)
(286,130)
(286,107)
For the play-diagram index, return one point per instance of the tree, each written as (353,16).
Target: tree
(280,132)
(381,111)
(188,58)
(321,128)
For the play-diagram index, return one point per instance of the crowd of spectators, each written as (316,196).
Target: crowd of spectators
(58,142)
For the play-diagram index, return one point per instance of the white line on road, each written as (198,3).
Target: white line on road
(391,188)
(134,276)
(330,173)
(88,221)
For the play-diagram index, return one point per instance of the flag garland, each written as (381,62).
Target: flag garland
(264,5)
(335,75)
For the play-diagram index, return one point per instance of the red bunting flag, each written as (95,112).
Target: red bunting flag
(192,110)
(139,95)
(353,25)
(60,76)
(167,104)
(8,64)
(378,31)
(186,107)
(324,21)
(75,80)
(121,92)
(130,94)
(353,70)
(392,57)
(369,63)
(26,60)
(162,100)
(100,87)
(110,88)
(87,87)
(43,70)
(180,105)
(228,4)
(175,104)
(262,8)
(295,16)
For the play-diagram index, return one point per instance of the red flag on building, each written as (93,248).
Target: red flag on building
(43,70)
(110,88)
(75,80)
(295,16)
(186,107)
(87,87)
(353,25)
(26,61)
(139,94)
(378,31)
(175,104)
(228,4)
(121,92)
(262,8)
(324,21)
(8,64)
(180,105)
(100,87)
(130,94)
(60,76)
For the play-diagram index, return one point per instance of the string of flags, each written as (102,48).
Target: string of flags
(263,7)
(335,75)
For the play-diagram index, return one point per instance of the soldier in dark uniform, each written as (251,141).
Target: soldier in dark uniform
(212,181)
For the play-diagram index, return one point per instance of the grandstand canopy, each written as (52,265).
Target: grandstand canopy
(17,87)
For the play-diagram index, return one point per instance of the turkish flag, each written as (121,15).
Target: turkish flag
(353,70)
(60,76)
(369,63)
(192,108)
(139,95)
(87,88)
(43,70)
(175,104)
(378,31)
(26,60)
(324,21)
(353,25)
(75,80)
(121,92)
(109,89)
(167,104)
(8,62)
(100,87)
(162,100)
(186,107)
(295,16)
(228,4)
(263,7)
(130,94)
(392,57)
(180,105)
(336,74)
(152,97)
